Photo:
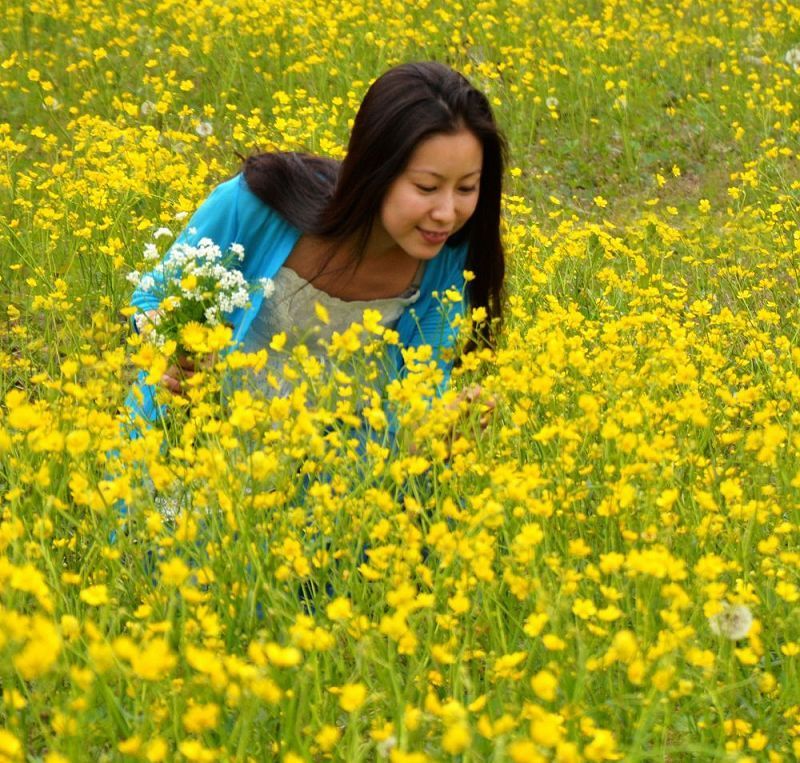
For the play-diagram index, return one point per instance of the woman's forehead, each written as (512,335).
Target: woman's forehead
(447,154)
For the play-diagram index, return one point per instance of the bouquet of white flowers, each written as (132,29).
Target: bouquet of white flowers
(196,287)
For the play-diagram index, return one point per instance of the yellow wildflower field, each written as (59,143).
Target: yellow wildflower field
(610,571)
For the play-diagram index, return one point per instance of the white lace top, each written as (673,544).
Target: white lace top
(290,309)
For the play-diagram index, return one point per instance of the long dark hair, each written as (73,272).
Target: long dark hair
(404,106)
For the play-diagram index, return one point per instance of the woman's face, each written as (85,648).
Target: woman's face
(434,195)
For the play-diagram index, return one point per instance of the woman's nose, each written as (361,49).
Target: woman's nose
(445,209)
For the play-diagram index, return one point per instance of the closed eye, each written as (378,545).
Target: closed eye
(426,188)
(470,189)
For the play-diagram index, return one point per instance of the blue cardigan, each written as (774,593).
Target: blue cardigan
(234,214)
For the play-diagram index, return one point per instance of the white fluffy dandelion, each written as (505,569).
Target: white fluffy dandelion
(385,747)
(792,58)
(733,622)
(204,129)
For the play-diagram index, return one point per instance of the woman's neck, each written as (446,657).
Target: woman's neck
(384,270)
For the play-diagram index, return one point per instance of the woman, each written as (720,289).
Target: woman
(414,204)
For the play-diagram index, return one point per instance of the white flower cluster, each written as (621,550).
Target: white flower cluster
(207,263)
(193,283)
(267,286)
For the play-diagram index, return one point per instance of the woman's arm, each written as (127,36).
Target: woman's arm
(216,219)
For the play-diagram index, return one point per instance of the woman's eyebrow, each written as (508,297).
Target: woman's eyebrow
(439,175)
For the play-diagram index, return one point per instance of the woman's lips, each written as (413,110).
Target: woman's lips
(434,237)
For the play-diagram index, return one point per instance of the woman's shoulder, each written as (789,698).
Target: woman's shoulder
(236,194)
(250,212)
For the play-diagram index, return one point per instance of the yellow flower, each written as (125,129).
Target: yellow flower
(547,729)
(610,613)
(95,596)
(584,609)
(322,313)
(130,746)
(218,337)
(567,752)
(506,665)
(10,746)
(625,646)
(156,750)
(282,656)
(636,672)
(278,341)
(398,756)
(525,751)
(553,643)
(534,624)
(193,337)
(352,697)
(174,572)
(412,717)
(579,547)
(327,737)
(602,747)
(456,738)
(77,442)
(339,609)
(200,718)
(154,662)
(787,591)
(545,685)
(189,282)
(662,678)
(459,603)
(192,750)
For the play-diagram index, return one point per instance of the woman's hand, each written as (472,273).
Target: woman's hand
(475,396)
(177,374)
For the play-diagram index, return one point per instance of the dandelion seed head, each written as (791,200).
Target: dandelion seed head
(792,58)
(733,622)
